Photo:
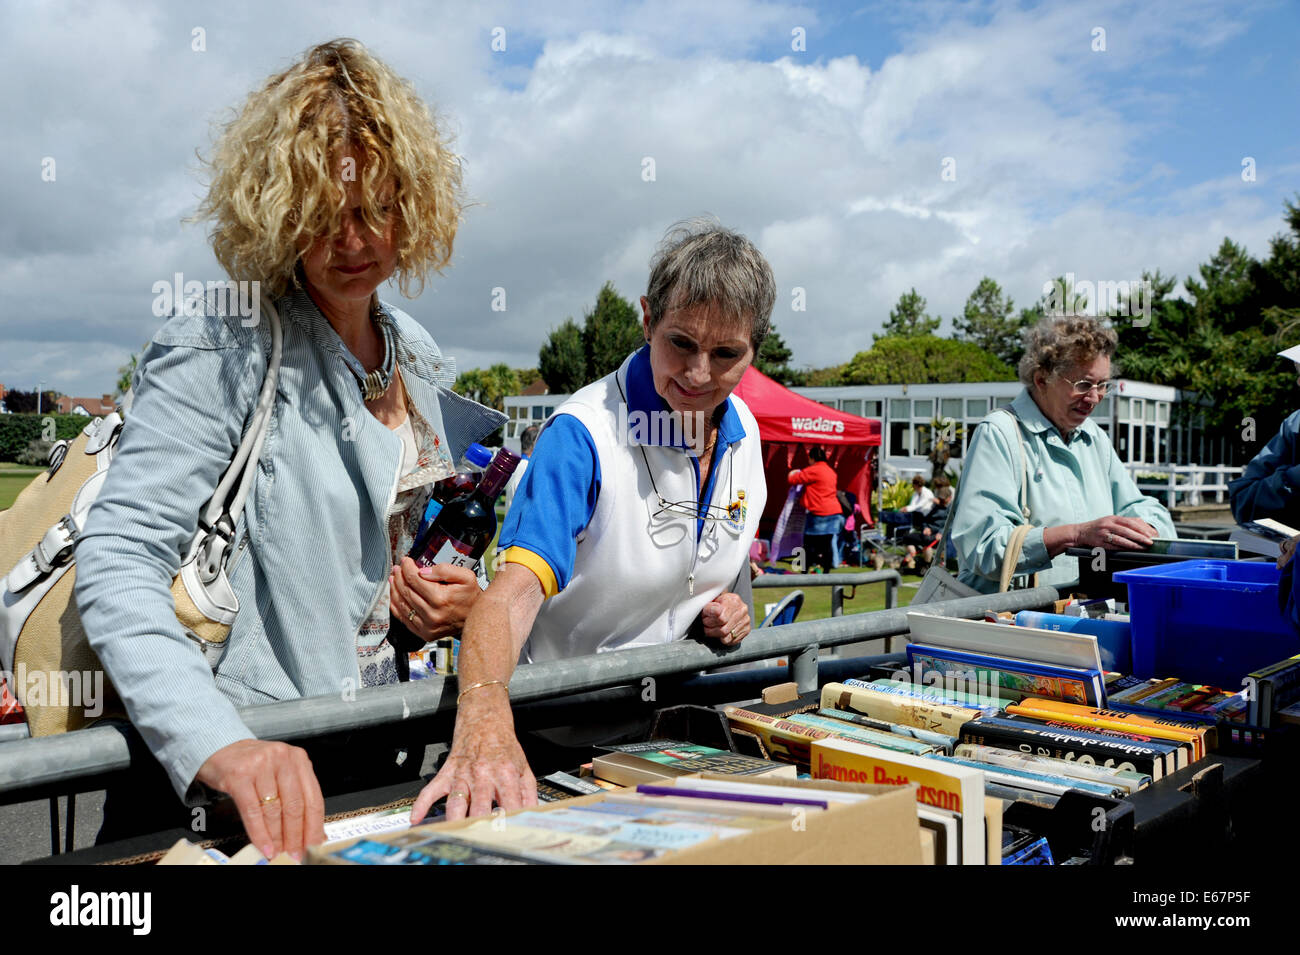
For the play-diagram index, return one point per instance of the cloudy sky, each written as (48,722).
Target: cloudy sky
(1097,138)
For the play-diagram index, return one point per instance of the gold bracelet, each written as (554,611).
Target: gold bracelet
(482,683)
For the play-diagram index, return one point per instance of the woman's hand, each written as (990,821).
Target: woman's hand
(432,601)
(485,765)
(726,618)
(1116,533)
(275,790)
(1286,551)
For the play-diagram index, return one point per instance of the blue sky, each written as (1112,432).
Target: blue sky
(1067,158)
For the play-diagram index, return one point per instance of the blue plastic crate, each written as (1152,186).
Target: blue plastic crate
(1207,621)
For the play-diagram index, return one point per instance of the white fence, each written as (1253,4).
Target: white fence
(1193,483)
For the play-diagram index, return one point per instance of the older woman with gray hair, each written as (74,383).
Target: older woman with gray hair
(1041,463)
(633,523)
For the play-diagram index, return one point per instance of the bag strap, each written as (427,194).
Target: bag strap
(1011,556)
(1015,544)
(216,530)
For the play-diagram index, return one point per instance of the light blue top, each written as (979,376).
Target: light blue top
(1069,483)
(312,544)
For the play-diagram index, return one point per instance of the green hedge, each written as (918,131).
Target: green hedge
(17,431)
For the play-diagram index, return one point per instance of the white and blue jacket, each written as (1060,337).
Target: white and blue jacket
(616,569)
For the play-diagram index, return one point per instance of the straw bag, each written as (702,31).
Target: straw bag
(940,585)
(43,648)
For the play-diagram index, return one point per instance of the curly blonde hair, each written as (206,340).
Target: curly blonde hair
(276,184)
(1057,343)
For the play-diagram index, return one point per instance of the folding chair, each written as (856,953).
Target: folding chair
(785,611)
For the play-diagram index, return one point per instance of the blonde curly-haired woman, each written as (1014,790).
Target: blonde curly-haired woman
(332,178)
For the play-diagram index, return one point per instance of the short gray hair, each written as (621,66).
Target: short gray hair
(701,263)
(1059,342)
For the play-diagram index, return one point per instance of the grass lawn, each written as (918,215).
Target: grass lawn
(13,478)
(817,600)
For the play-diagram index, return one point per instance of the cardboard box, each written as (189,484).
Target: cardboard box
(880,831)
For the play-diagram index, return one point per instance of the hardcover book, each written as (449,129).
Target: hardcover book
(1008,677)
(633,763)
(1074,744)
(1178,728)
(1273,687)
(939,783)
(898,708)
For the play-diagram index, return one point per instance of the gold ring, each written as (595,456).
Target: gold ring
(410,616)
(452,795)
(733,632)
(269,799)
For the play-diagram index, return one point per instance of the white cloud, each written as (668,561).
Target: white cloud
(832,165)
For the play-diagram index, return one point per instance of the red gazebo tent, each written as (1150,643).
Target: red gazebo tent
(790,424)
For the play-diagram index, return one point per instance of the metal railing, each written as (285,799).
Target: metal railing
(1194,482)
(837,583)
(72,762)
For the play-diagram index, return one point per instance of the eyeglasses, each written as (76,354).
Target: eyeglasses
(1085,385)
(695,509)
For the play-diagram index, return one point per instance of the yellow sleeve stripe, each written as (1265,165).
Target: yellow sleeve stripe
(538,565)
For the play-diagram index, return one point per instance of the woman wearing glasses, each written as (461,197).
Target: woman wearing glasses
(1047,454)
(633,523)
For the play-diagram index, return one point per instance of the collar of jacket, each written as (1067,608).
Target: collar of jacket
(427,374)
(1034,421)
(414,353)
(647,410)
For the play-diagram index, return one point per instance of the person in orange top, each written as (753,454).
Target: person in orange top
(825,518)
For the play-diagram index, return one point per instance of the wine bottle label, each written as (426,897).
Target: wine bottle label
(448,554)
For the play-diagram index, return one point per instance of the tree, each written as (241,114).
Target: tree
(987,321)
(824,377)
(923,359)
(773,360)
(610,332)
(489,388)
(125,375)
(572,356)
(24,402)
(908,318)
(527,376)
(561,361)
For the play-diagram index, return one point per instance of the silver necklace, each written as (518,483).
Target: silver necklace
(375,384)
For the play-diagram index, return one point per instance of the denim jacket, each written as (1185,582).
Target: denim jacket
(312,546)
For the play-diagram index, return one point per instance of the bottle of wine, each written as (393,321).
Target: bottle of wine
(465,526)
(459,484)
(459,535)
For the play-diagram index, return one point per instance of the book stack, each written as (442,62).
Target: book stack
(696,819)
(1274,691)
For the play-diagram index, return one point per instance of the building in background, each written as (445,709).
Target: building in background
(1143,421)
(90,407)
